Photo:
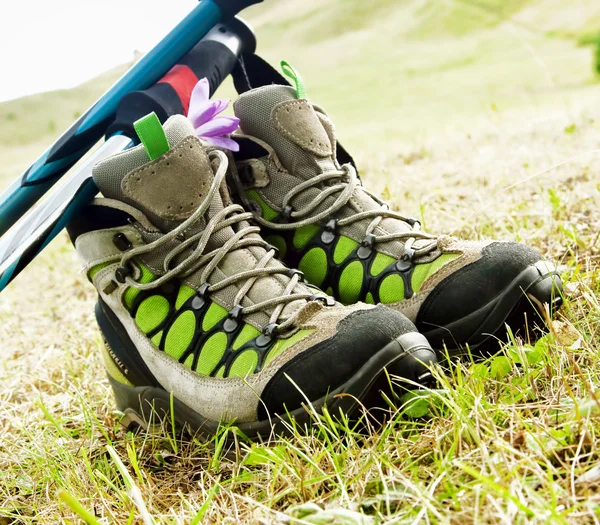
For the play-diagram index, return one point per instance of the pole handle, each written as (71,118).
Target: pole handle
(214,57)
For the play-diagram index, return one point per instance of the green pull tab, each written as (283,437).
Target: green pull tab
(151,133)
(296,79)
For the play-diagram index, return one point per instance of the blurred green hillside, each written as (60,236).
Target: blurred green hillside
(29,125)
(388,70)
(393,73)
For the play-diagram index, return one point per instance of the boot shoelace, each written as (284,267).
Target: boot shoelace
(197,260)
(348,184)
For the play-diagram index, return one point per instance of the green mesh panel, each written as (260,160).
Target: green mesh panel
(423,271)
(93,271)
(329,291)
(214,314)
(369,298)
(131,293)
(189,361)
(314,266)
(279,243)
(247,334)
(268,213)
(185,292)
(351,282)
(391,289)
(180,334)
(211,353)
(304,234)
(244,364)
(284,344)
(151,312)
(220,373)
(344,247)
(380,263)
(157,338)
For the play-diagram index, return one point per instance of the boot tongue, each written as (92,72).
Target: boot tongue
(167,190)
(303,138)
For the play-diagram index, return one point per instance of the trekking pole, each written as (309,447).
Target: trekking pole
(89,128)
(214,58)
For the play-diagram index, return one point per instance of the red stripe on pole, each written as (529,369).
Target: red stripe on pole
(183,80)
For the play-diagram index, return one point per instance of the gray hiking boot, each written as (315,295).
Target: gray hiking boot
(193,303)
(348,242)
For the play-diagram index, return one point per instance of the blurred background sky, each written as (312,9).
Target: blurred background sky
(53,44)
(396,72)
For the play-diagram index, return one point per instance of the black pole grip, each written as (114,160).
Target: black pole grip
(214,57)
(230,8)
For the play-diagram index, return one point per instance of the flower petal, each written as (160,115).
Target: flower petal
(221,104)
(206,111)
(201,90)
(218,126)
(223,142)
(202,113)
(199,99)
(203,116)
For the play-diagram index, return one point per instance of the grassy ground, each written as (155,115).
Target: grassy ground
(479,117)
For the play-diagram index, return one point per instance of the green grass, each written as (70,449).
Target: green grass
(482,122)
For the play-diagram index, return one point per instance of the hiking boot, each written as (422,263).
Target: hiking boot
(199,316)
(348,242)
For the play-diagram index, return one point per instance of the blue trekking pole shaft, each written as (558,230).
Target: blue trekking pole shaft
(83,134)
(214,57)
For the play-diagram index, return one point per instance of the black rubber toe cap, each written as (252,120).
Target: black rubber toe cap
(475,285)
(331,363)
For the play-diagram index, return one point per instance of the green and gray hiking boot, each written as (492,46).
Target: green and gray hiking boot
(198,314)
(349,243)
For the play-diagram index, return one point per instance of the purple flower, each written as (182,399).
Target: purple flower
(203,116)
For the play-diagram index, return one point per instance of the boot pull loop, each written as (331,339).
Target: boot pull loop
(152,135)
(296,79)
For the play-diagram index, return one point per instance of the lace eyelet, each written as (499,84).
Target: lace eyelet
(325,299)
(328,235)
(293,271)
(267,335)
(286,213)
(122,242)
(403,266)
(200,299)
(366,247)
(408,254)
(270,247)
(233,319)
(122,272)
(405,262)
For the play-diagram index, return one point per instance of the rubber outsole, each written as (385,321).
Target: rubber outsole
(518,307)
(406,360)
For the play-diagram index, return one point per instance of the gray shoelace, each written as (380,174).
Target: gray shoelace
(344,190)
(196,260)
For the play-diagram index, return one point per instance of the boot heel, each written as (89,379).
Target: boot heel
(129,402)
